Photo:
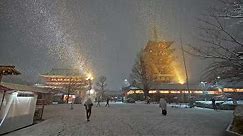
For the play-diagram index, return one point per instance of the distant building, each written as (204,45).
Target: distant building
(66,83)
(171,91)
(233,89)
(59,78)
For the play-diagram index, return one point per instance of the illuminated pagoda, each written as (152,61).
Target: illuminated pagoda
(158,57)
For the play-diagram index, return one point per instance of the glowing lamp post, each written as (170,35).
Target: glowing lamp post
(90,78)
(205,86)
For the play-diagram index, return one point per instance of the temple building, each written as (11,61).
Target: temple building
(59,78)
(172,92)
(66,83)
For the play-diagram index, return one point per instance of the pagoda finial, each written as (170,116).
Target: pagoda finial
(154,34)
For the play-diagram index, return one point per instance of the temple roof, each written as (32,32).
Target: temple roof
(20,87)
(8,70)
(3,88)
(64,72)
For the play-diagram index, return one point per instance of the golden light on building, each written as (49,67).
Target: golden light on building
(89,76)
(152,91)
(139,91)
(164,92)
(130,92)
(175,92)
(198,92)
(229,90)
(180,77)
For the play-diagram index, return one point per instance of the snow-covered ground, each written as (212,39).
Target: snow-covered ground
(127,119)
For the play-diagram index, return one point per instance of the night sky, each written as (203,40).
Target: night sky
(38,35)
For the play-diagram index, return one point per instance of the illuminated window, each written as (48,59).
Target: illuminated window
(228,90)
(139,91)
(198,92)
(174,92)
(164,92)
(130,92)
(239,90)
(212,92)
(153,91)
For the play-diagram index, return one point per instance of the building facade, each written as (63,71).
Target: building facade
(66,83)
(173,92)
(61,78)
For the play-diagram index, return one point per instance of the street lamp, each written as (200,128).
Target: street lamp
(90,85)
(89,78)
(204,86)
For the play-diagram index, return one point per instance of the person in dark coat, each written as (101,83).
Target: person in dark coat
(163,106)
(88,107)
(98,102)
(214,104)
(107,102)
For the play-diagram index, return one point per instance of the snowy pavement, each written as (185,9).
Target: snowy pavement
(127,119)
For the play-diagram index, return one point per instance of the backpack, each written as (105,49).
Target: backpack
(164,112)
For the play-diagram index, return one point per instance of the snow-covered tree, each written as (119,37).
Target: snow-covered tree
(101,83)
(140,73)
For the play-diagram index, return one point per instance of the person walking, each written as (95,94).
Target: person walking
(148,100)
(214,104)
(163,106)
(107,102)
(98,102)
(88,107)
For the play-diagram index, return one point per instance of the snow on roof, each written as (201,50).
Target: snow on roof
(3,88)
(20,87)
(64,72)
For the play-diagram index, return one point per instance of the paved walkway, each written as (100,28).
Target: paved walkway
(127,119)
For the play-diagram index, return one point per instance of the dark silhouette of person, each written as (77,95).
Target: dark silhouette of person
(98,102)
(107,102)
(214,104)
(148,100)
(88,107)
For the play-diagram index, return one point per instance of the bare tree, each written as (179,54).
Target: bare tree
(72,87)
(101,83)
(221,34)
(140,73)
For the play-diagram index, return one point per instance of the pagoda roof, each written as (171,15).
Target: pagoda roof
(64,72)
(160,42)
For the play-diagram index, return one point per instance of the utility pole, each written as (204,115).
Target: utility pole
(185,67)
(183,56)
